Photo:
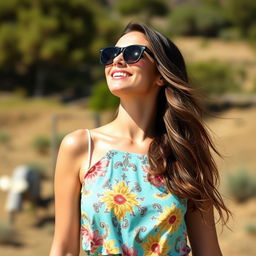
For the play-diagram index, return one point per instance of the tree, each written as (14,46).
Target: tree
(197,19)
(146,8)
(41,35)
(241,13)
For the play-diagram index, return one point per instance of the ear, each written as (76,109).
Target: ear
(160,81)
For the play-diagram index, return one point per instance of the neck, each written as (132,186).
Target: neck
(136,119)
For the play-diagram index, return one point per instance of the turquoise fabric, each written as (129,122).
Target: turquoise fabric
(126,211)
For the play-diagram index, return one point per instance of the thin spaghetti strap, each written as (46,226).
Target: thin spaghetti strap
(89,148)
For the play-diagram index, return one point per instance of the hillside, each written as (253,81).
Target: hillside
(233,133)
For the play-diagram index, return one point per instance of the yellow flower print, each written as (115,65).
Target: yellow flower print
(109,245)
(155,246)
(85,192)
(170,219)
(162,196)
(120,200)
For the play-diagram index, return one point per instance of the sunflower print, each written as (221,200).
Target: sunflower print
(170,219)
(117,204)
(110,248)
(120,200)
(155,246)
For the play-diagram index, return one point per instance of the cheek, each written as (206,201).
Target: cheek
(146,68)
(140,63)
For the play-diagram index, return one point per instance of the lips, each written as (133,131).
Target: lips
(118,74)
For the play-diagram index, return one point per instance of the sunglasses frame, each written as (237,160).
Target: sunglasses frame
(122,50)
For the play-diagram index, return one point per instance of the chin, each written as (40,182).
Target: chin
(118,86)
(117,91)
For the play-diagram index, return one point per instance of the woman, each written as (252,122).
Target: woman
(147,179)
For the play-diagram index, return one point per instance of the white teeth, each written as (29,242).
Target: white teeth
(120,74)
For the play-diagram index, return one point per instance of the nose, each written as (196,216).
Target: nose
(119,59)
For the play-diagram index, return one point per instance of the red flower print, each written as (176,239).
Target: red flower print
(184,249)
(93,237)
(85,232)
(96,240)
(156,180)
(129,251)
(97,170)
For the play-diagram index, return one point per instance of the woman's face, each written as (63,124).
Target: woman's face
(140,78)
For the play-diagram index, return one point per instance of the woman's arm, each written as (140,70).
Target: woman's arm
(67,187)
(202,234)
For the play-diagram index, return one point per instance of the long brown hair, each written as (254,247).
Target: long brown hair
(181,148)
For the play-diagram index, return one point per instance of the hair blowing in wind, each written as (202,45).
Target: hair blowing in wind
(182,148)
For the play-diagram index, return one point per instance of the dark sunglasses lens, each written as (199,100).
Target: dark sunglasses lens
(108,54)
(132,54)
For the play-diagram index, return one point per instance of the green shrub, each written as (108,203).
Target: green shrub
(101,98)
(182,21)
(241,186)
(192,19)
(59,139)
(229,34)
(150,7)
(215,77)
(42,144)
(107,30)
(204,43)
(241,13)
(7,234)
(252,33)
(209,20)
(251,229)
(5,137)
(20,92)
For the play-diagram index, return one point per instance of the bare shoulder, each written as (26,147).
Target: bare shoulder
(72,150)
(74,143)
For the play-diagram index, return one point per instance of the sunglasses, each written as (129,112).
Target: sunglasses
(131,53)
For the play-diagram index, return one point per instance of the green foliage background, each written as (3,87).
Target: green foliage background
(51,46)
(215,77)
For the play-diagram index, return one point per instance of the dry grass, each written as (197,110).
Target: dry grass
(237,54)
(234,135)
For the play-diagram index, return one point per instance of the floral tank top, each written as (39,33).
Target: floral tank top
(126,211)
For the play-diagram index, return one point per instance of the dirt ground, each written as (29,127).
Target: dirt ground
(234,135)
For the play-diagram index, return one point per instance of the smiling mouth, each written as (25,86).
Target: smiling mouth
(119,75)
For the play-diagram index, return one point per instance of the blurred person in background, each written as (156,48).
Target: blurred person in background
(24,184)
(143,183)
